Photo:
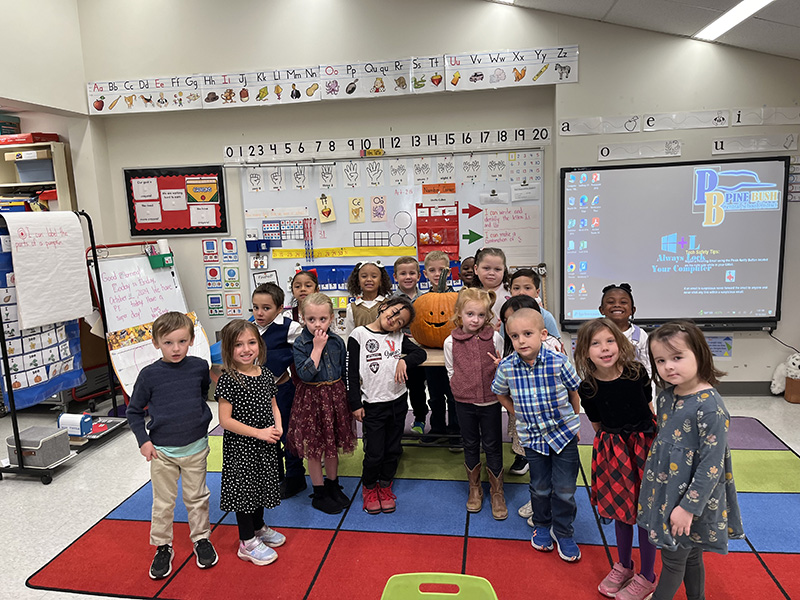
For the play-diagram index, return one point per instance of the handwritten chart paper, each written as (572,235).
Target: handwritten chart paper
(136,293)
(47,249)
(517,230)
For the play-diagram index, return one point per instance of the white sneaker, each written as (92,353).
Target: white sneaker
(259,554)
(270,537)
(526,510)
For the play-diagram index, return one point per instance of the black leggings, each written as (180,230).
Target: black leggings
(682,565)
(249,523)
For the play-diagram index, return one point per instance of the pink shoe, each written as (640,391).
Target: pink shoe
(615,580)
(637,589)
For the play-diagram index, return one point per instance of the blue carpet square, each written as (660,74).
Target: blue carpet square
(140,505)
(770,521)
(423,506)
(298,512)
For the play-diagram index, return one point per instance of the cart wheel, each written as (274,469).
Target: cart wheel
(92,406)
(46,479)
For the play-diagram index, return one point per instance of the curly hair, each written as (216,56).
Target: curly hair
(354,286)
(484,297)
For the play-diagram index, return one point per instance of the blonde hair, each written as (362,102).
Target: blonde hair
(626,360)
(437,255)
(317,299)
(481,296)
(228,337)
(172,321)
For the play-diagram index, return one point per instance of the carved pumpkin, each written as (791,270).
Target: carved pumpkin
(434,319)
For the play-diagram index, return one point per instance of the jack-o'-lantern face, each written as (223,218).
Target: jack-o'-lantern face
(434,320)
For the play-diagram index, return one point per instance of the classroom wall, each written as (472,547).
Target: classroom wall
(43,59)
(622,71)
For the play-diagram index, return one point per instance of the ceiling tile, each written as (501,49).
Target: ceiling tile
(661,15)
(595,10)
(765,36)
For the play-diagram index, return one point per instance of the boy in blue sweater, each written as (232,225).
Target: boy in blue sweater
(174,390)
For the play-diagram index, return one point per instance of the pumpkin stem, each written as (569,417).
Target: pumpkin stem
(441,287)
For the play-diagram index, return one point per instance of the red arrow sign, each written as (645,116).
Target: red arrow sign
(471,211)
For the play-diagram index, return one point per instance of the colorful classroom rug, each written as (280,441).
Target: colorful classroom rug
(352,555)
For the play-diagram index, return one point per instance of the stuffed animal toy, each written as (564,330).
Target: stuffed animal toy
(790,368)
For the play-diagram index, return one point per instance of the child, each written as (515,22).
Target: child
(617,305)
(379,357)
(444,420)
(174,390)
(304,283)
(279,334)
(406,274)
(527,282)
(615,394)
(469,356)
(248,411)
(491,274)
(520,464)
(540,388)
(467,271)
(321,425)
(370,285)
(688,499)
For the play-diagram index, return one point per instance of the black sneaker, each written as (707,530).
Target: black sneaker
(291,486)
(205,553)
(433,439)
(162,562)
(520,466)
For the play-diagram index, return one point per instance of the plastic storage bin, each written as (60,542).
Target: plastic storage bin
(42,447)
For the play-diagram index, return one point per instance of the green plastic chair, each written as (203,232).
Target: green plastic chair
(406,586)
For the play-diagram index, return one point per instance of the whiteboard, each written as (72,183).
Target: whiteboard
(498,196)
(135,293)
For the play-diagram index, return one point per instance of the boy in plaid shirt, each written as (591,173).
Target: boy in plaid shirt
(544,388)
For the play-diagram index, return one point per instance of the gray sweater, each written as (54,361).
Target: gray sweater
(174,395)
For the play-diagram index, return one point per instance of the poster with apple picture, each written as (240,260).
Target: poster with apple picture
(325,209)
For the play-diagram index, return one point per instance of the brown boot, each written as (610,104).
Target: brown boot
(499,510)
(475,499)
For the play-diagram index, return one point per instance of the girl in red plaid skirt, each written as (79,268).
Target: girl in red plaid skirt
(616,396)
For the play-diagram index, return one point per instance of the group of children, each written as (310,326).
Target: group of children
(292,389)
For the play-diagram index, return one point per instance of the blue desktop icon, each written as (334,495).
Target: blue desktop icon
(570,289)
(584,222)
(584,200)
(571,201)
(571,224)
(583,265)
(595,200)
(584,178)
(571,245)
(583,245)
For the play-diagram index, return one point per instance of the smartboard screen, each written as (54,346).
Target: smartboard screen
(701,241)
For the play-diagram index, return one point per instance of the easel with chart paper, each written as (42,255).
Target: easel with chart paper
(136,294)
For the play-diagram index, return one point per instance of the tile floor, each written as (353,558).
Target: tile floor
(39,521)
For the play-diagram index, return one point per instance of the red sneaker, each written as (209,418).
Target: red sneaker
(387,498)
(372,504)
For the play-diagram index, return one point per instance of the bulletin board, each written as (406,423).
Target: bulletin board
(176,201)
(340,212)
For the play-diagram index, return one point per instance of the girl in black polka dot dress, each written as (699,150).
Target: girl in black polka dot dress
(249,414)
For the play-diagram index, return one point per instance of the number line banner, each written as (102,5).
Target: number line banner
(391,146)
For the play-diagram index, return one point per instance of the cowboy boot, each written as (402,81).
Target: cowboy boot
(475,499)
(499,510)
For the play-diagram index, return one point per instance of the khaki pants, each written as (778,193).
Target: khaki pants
(164,474)
(516,447)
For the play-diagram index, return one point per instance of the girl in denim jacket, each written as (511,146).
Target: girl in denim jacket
(321,424)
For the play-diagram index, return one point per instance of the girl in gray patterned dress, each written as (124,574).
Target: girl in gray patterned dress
(688,498)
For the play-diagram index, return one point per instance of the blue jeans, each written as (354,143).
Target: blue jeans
(553,483)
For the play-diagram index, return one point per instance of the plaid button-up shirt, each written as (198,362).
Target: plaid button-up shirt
(545,417)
